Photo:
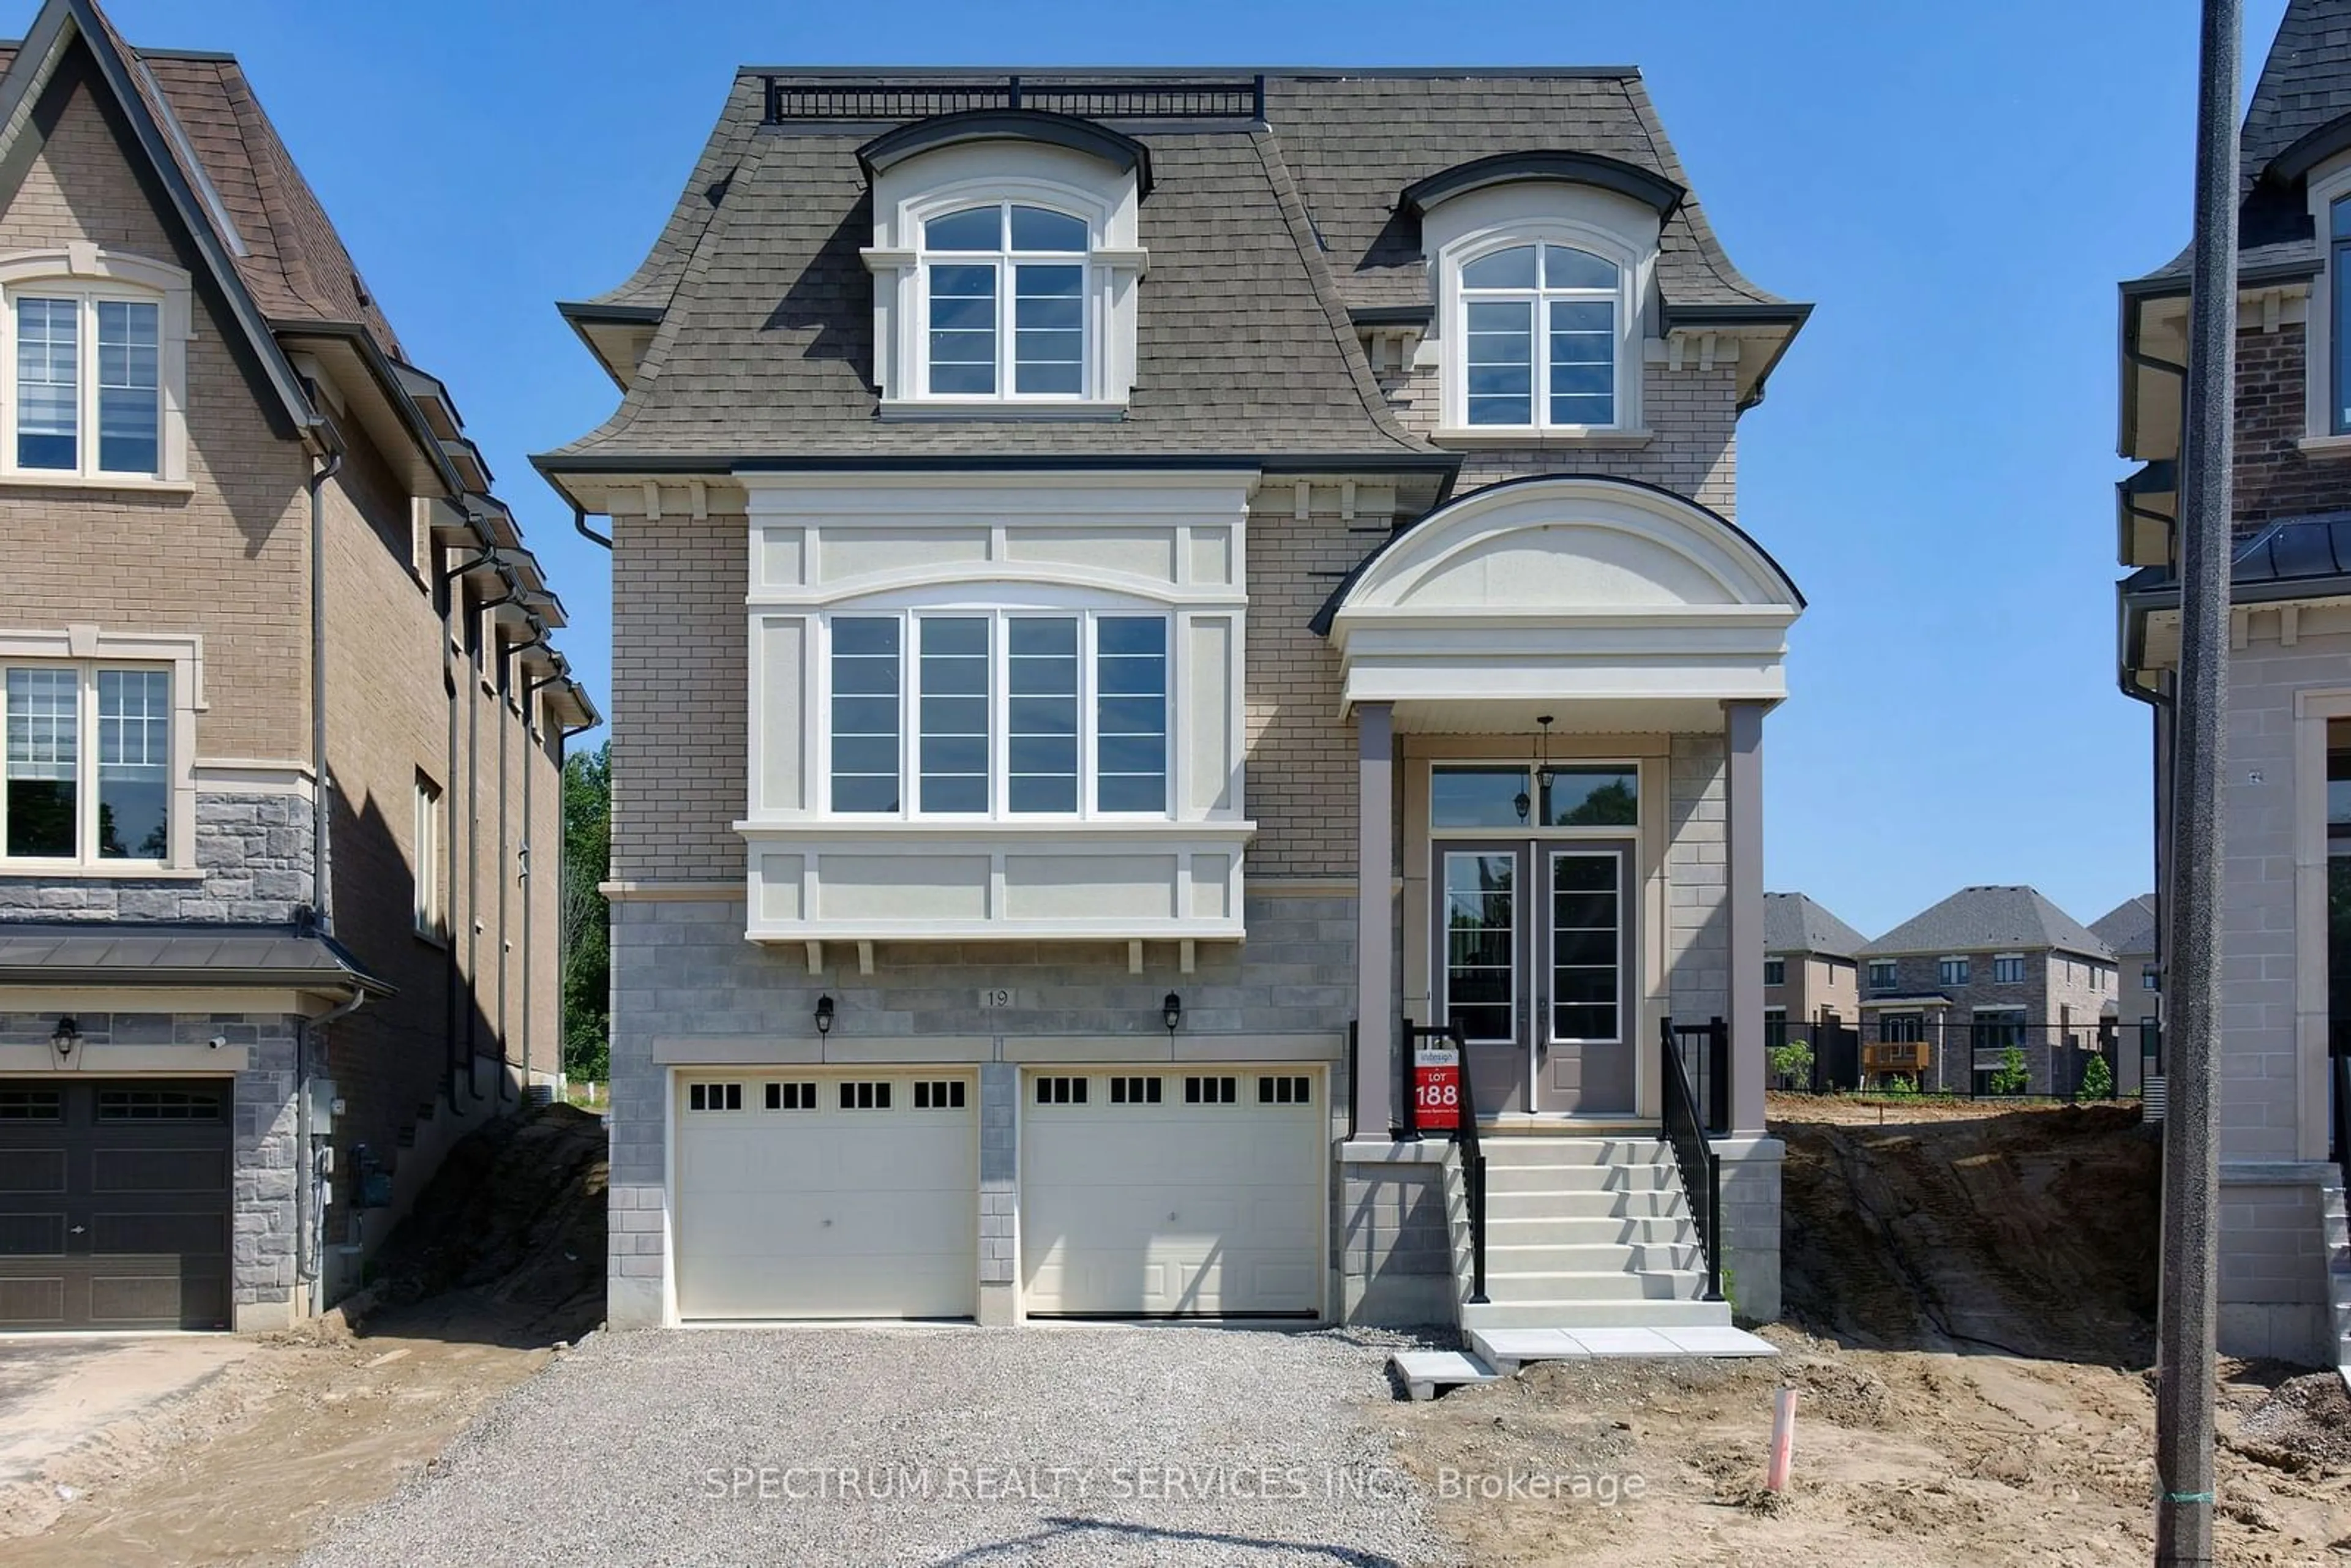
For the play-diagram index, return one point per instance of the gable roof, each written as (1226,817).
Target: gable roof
(1975,919)
(2128,926)
(1266,237)
(1793,923)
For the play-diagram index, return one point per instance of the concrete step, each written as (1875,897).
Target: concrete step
(1599,1258)
(1581,1230)
(1629,1178)
(1426,1374)
(1512,1153)
(1506,1350)
(1631,1313)
(1647,1202)
(1616,1285)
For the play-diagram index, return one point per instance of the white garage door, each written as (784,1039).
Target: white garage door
(1173,1192)
(816,1196)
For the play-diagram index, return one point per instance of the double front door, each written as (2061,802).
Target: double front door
(1534,944)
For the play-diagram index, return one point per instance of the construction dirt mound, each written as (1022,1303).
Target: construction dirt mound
(2031,1232)
(513,1222)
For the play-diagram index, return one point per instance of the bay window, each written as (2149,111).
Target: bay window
(1001,713)
(87,775)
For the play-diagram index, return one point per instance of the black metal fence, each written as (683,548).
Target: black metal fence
(1982,1057)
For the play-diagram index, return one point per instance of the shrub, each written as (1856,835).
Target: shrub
(2010,1077)
(2097,1080)
(1792,1064)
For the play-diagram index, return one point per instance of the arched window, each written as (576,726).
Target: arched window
(1005,302)
(1540,334)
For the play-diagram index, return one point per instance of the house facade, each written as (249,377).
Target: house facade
(282,720)
(2285,992)
(1810,966)
(1984,972)
(2130,929)
(1128,591)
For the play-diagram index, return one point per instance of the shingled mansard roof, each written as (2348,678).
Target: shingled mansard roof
(2128,926)
(2300,115)
(1264,239)
(1793,923)
(1975,919)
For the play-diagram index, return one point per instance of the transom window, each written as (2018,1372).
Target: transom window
(1000,713)
(87,775)
(85,395)
(1605,795)
(1539,335)
(1005,302)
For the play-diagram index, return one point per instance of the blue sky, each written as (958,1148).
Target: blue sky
(1957,188)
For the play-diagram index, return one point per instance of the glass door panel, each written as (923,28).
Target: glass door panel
(1482,927)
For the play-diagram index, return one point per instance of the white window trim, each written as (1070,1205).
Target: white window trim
(1087,610)
(1960,958)
(89,273)
(1623,1004)
(1454,426)
(87,648)
(1007,261)
(1115,262)
(1642,781)
(429,906)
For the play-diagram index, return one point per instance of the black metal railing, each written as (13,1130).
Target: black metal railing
(1172,99)
(1704,1050)
(1463,1134)
(1684,1134)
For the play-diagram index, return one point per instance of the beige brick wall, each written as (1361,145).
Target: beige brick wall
(679,696)
(228,561)
(1301,754)
(1692,449)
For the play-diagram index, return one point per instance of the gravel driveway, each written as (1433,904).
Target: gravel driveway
(883,1447)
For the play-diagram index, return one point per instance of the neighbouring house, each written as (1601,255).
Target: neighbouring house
(283,721)
(1810,967)
(1128,588)
(1986,972)
(2286,918)
(2130,929)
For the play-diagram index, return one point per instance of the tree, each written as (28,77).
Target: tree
(2097,1080)
(587,922)
(2012,1077)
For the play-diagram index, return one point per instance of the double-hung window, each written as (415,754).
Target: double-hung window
(85,775)
(2008,969)
(1009,713)
(1953,971)
(1539,331)
(85,383)
(1005,288)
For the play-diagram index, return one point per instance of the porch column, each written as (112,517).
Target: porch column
(1376,1004)
(1743,827)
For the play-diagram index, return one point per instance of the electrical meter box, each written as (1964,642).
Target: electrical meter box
(326,1104)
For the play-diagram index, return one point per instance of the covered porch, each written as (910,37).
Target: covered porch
(1559,686)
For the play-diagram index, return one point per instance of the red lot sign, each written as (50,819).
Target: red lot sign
(1437,1088)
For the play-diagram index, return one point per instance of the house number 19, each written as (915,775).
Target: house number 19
(996,999)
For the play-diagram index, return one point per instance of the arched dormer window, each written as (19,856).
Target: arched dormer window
(1005,302)
(1007,256)
(93,368)
(1541,331)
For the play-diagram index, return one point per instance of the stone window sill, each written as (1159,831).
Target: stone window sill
(30,870)
(79,482)
(2326,445)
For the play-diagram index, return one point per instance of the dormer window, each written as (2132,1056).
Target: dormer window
(1005,302)
(1539,338)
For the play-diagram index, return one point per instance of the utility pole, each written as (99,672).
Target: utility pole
(2189,1303)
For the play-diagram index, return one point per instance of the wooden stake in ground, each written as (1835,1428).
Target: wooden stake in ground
(1783,1440)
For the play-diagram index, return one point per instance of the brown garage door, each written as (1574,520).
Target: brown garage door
(114,1203)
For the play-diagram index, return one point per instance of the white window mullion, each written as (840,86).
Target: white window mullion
(1089,684)
(86,789)
(85,384)
(1000,715)
(910,715)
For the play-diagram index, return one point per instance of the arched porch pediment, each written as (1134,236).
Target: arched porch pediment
(1617,604)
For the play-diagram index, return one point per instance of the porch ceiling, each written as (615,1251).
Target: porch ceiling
(1611,605)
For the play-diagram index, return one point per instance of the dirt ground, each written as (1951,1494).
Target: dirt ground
(499,1268)
(1921,1255)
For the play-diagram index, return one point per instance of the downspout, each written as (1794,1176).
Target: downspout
(309,1214)
(530,875)
(452,585)
(472,841)
(507,858)
(322,881)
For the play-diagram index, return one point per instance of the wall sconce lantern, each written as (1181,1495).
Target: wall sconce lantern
(68,1035)
(1171,1013)
(824,1015)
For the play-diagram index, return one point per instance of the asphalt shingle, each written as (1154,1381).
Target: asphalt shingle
(1975,919)
(1793,923)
